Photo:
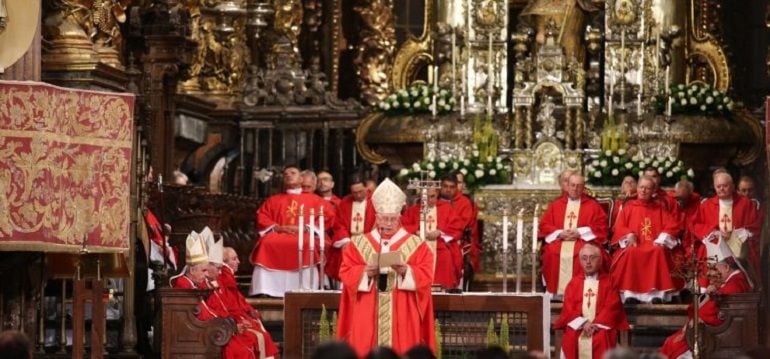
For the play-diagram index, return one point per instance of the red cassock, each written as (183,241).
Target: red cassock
(240,310)
(607,311)
(708,313)
(646,267)
(279,251)
(620,203)
(744,216)
(155,232)
(343,225)
(669,202)
(591,222)
(475,244)
(400,317)
(334,200)
(449,257)
(241,345)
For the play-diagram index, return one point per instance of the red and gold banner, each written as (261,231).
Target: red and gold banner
(65,163)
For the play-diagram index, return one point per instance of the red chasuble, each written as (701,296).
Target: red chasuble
(399,317)
(595,300)
(346,223)
(279,251)
(646,267)
(590,220)
(449,257)
(743,220)
(676,345)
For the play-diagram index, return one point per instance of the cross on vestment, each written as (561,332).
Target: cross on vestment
(647,228)
(588,295)
(357,220)
(571,216)
(725,222)
(291,211)
(430,221)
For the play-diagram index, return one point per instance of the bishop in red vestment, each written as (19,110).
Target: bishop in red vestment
(646,233)
(385,305)
(592,313)
(276,254)
(733,281)
(443,232)
(728,217)
(567,224)
(355,215)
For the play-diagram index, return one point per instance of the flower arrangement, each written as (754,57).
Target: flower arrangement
(418,99)
(478,171)
(610,167)
(695,98)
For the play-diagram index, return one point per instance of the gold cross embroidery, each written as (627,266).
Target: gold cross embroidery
(647,229)
(291,211)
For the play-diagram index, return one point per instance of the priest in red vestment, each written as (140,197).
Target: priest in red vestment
(325,187)
(592,313)
(567,224)
(689,202)
(386,298)
(731,218)
(461,206)
(355,215)
(276,254)
(474,247)
(627,193)
(733,281)
(443,232)
(646,233)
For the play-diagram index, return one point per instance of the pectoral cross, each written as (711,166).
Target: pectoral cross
(725,222)
(430,220)
(357,220)
(647,228)
(589,294)
(291,211)
(571,216)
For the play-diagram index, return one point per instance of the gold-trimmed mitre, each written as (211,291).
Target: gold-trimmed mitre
(215,248)
(388,198)
(196,250)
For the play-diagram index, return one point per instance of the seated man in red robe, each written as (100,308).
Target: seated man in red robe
(567,224)
(731,218)
(592,313)
(627,193)
(689,202)
(443,232)
(646,233)
(733,281)
(386,275)
(276,254)
(659,194)
(355,215)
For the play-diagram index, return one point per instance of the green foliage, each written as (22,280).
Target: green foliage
(334,325)
(324,334)
(695,99)
(492,339)
(505,342)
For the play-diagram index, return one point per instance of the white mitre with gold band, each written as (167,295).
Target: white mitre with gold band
(388,198)
(215,248)
(196,250)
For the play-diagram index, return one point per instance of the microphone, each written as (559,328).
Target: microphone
(382,282)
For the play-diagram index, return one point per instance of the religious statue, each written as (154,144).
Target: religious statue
(545,117)
(570,17)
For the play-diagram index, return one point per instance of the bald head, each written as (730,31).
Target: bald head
(564,179)
(230,258)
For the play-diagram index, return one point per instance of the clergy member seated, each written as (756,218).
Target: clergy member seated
(728,217)
(386,265)
(627,193)
(443,232)
(355,215)
(592,313)
(276,254)
(645,234)
(567,224)
(659,194)
(733,281)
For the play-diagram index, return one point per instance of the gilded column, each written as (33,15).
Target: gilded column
(579,128)
(518,130)
(528,126)
(568,125)
(375,52)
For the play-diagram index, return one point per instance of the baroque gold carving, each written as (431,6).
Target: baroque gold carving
(375,52)
(106,17)
(706,60)
(66,29)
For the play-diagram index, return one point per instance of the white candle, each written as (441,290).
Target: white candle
(300,226)
(505,230)
(535,223)
(641,28)
(667,91)
(462,105)
(612,91)
(312,233)
(454,63)
(640,80)
(435,79)
(520,231)
(623,69)
(468,24)
(321,226)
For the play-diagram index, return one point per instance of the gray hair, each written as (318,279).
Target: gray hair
(309,174)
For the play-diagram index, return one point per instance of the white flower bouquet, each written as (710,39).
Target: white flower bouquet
(478,171)
(695,99)
(610,167)
(417,99)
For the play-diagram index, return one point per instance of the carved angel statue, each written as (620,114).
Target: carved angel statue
(545,117)
(107,17)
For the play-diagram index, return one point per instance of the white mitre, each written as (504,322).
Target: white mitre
(196,250)
(388,198)
(215,248)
